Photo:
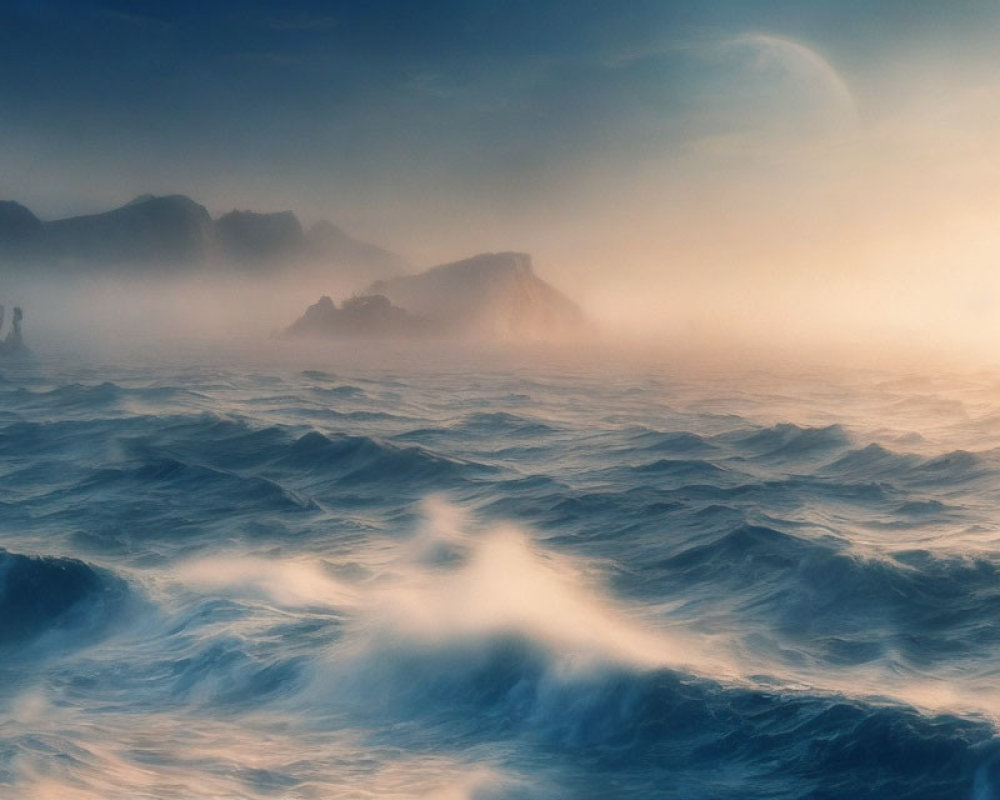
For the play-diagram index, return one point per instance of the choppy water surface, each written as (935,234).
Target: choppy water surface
(340,580)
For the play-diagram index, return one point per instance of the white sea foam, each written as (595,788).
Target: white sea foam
(500,583)
(455,582)
(285,581)
(332,649)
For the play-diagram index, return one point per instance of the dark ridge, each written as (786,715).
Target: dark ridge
(249,237)
(153,231)
(174,232)
(18,227)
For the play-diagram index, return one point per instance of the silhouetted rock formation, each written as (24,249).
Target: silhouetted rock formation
(19,230)
(494,295)
(148,232)
(366,315)
(163,234)
(18,226)
(13,344)
(248,237)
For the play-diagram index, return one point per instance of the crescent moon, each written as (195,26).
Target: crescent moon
(787,59)
(807,66)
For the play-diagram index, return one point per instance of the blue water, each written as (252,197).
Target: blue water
(417,578)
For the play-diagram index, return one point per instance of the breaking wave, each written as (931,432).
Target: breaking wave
(469,585)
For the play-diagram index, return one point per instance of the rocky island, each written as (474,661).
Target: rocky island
(491,295)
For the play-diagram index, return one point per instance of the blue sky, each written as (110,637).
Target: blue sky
(444,126)
(446,92)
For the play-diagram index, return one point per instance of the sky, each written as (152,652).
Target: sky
(814,162)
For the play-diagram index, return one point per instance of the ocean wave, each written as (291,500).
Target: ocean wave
(872,458)
(787,441)
(61,599)
(681,468)
(848,608)
(653,441)
(455,648)
(953,467)
(502,423)
(668,732)
(690,602)
(86,396)
(344,391)
(357,460)
(221,674)
(179,484)
(956,466)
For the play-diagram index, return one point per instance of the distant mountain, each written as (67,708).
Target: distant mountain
(249,238)
(164,234)
(17,224)
(326,240)
(149,232)
(19,228)
(493,295)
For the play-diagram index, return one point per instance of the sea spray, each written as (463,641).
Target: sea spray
(545,585)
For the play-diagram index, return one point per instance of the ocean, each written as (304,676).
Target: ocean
(345,574)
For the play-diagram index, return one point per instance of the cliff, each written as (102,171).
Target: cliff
(146,233)
(165,234)
(493,294)
(490,296)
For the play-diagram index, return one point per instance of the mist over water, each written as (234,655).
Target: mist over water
(637,436)
(362,575)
